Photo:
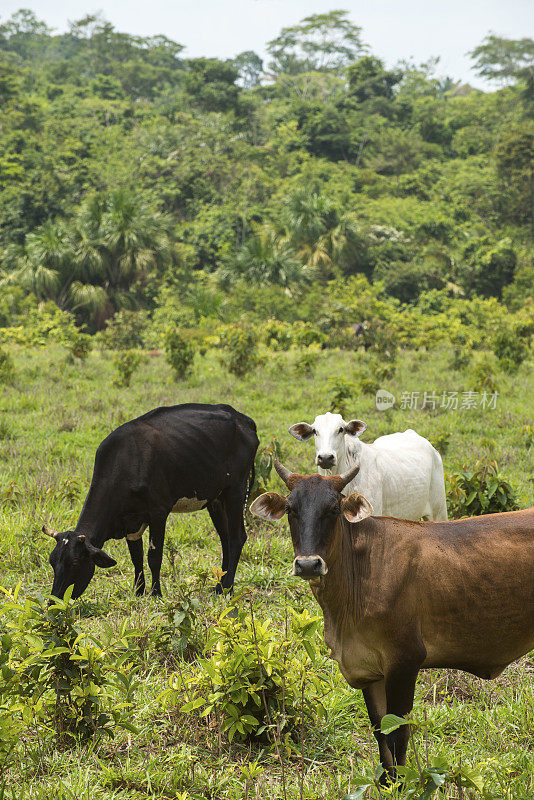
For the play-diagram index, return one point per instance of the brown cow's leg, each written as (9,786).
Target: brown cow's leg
(400,690)
(218,517)
(155,553)
(136,554)
(375,700)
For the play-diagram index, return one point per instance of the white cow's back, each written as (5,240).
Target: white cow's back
(401,475)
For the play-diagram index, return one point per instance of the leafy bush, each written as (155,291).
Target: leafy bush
(126,362)
(277,335)
(252,680)
(7,367)
(306,360)
(263,466)
(305,334)
(57,678)
(510,348)
(340,391)
(480,491)
(124,331)
(180,353)
(180,636)
(241,346)
(79,346)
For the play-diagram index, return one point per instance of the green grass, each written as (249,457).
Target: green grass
(51,421)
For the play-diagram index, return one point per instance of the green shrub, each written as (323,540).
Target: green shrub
(441,439)
(277,335)
(241,349)
(253,681)
(306,360)
(263,466)
(79,346)
(126,362)
(180,636)
(56,678)
(485,373)
(7,367)
(305,334)
(340,391)
(124,331)
(180,353)
(510,348)
(479,491)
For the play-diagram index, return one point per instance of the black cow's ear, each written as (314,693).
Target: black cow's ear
(356,507)
(100,558)
(301,431)
(270,506)
(355,427)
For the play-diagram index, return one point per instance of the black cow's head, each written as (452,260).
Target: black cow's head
(313,509)
(74,559)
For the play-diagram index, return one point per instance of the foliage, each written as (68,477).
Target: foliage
(241,349)
(57,677)
(7,367)
(263,467)
(480,490)
(253,681)
(80,346)
(124,331)
(510,347)
(340,391)
(180,353)
(181,635)
(126,362)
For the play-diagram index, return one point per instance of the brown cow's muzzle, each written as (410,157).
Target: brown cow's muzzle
(309,567)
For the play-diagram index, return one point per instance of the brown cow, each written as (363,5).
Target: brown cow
(400,596)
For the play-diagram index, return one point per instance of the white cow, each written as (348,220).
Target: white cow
(401,474)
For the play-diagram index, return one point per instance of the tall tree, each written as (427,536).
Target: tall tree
(321,42)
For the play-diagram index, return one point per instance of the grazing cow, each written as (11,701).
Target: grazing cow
(399,596)
(401,474)
(180,458)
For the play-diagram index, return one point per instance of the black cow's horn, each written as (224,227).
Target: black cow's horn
(49,532)
(340,481)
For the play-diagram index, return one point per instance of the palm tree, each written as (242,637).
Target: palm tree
(264,258)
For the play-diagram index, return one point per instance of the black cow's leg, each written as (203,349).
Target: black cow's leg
(375,701)
(234,505)
(155,552)
(220,522)
(400,689)
(136,554)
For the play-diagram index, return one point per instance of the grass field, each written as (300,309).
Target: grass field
(53,418)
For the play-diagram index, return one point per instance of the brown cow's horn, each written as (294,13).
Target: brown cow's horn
(290,478)
(49,532)
(340,481)
(283,472)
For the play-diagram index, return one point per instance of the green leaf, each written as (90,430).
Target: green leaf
(391,722)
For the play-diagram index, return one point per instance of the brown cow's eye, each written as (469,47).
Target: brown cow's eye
(340,430)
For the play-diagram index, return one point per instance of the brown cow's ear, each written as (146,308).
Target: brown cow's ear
(270,506)
(301,431)
(355,427)
(356,507)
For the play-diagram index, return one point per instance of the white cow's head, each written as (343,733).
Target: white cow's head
(329,431)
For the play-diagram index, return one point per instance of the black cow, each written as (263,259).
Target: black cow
(177,458)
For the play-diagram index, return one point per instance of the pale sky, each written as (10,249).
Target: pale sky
(394,29)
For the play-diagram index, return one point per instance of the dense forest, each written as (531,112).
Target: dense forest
(195,189)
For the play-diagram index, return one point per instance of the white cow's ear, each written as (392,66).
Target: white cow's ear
(301,431)
(356,507)
(355,427)
(270,506)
